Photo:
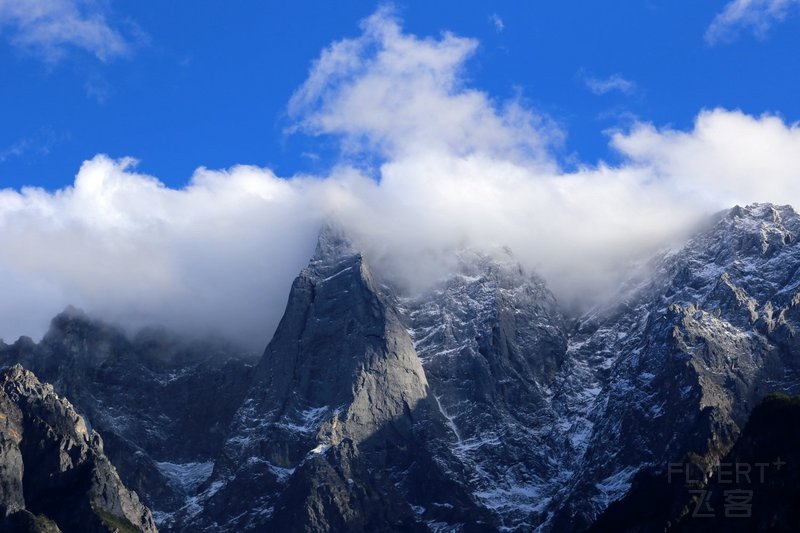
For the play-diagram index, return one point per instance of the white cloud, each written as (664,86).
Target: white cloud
(50,27)
(729,157)
(395,94)
(456,169)
(15,150)
(218,254)
(38,143)
(497,22)
(615,82)
(757,16)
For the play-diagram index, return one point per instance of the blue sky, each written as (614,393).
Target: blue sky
(193,84)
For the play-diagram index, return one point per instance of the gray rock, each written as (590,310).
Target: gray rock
(163,403)
(56,466)
(683,357)
(339,400)
(492,340)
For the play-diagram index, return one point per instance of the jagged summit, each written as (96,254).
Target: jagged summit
(764,211)
(339,381)
(686,353)
(754,229)
(333,244)
(491,338)
(356,378)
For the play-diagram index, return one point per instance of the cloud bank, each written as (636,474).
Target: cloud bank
(429,166)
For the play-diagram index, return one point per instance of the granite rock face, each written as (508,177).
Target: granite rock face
(55,475)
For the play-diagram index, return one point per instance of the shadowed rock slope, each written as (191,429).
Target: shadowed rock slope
(755,489)
(162,403)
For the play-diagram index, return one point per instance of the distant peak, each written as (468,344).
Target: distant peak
(71,317)
(333,243)
(74,313)
(498,261)
(762,211)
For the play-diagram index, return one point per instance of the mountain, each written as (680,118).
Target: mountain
(684,355)
(754,488)
(339,431)
(54,474)
(162,404)
(492,340)
(479,404)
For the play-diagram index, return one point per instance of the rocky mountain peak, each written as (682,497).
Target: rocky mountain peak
(697,344)
(757,229)
(25,388)
(69,485)
(76,322)
(333,244)
(339,378)
(767,212)
(492,339)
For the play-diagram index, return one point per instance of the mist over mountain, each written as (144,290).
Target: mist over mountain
(428,165)
(454,324)
(478,404)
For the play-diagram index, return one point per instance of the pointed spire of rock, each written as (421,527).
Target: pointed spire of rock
(333,242)
(339,384)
